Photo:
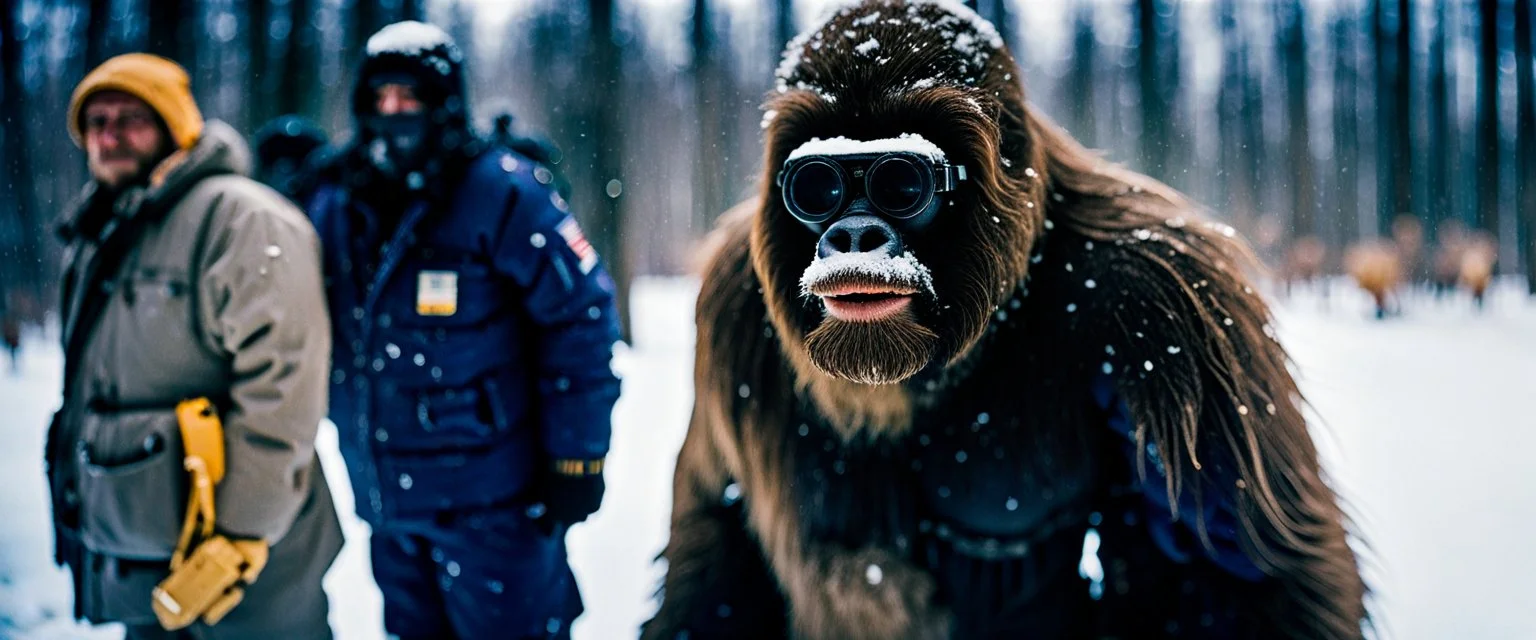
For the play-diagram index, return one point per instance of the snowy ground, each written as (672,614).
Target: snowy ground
(1424,421)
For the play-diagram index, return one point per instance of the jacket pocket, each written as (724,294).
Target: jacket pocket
(425,483)
(133,488)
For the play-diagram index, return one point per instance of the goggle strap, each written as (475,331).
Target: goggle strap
(951,176)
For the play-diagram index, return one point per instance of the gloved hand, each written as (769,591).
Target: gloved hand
(571,491)
(209,583)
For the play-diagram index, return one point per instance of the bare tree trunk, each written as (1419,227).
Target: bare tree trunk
(17,153)
(606,89)
(260,81)
(367,18)
(298,70)
(173,32)
(710,103)
(1293,51)
(1438,150)
(1488,118)
(1346,134)
(784,26)
(413,10)
(1155,105)
(1081,77)
(1526,117)
(98,22)
(1391,29)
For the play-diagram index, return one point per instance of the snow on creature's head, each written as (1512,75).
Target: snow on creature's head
(840,146)
(894,27)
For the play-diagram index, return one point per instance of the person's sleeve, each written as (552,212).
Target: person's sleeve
(262,304)
(569,298)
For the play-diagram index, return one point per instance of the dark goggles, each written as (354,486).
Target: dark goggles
(901,186)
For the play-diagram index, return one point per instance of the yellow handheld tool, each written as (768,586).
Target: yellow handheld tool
(208,570)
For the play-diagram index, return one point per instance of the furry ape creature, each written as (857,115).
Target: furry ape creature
(907,431)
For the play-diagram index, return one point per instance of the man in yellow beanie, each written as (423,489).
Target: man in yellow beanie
(184,280)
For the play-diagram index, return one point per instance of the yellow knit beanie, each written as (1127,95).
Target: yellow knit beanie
(160,83)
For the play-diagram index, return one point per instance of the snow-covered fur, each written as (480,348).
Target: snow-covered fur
(811,505)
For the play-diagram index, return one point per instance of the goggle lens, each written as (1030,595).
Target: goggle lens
(896,186)
(816,190)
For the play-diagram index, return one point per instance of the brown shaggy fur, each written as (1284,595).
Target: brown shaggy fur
(1166,278)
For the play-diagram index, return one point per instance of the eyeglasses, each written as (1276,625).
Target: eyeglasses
(128,121)
(899,185)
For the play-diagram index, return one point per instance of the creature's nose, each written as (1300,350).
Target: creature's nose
(860,234)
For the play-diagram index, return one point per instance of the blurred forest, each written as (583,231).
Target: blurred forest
(1301,122)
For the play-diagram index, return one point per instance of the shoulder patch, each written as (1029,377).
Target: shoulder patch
(578,242)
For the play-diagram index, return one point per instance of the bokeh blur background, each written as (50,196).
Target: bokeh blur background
(1310,125)
(1380,155)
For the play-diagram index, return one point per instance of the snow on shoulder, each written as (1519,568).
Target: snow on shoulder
(407,38)
(840,146)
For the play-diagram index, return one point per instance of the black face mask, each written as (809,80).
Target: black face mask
(400,143)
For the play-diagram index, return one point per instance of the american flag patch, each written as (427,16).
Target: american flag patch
(578,243)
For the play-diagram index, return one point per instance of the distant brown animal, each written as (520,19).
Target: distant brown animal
(1377,267)
(1408,240)
(1475,268)
(1463,260)
(10,327)
(1304,261)
(1450,243)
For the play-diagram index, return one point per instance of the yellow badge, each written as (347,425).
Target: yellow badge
(437,293)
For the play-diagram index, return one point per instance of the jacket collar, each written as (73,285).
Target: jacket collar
(221,150)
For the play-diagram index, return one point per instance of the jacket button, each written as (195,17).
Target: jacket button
(406,482)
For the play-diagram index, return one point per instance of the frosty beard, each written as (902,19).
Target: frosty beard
(885,352)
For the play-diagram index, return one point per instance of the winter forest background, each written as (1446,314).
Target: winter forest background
(1289,118)
(1306,124)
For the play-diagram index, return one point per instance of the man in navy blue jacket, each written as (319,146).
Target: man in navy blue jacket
(473,330)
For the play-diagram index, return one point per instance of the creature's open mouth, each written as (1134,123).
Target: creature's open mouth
(861,287)
(866,303)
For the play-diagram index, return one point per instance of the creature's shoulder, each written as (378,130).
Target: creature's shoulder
(730,302)
(1154,300)
(738,353)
